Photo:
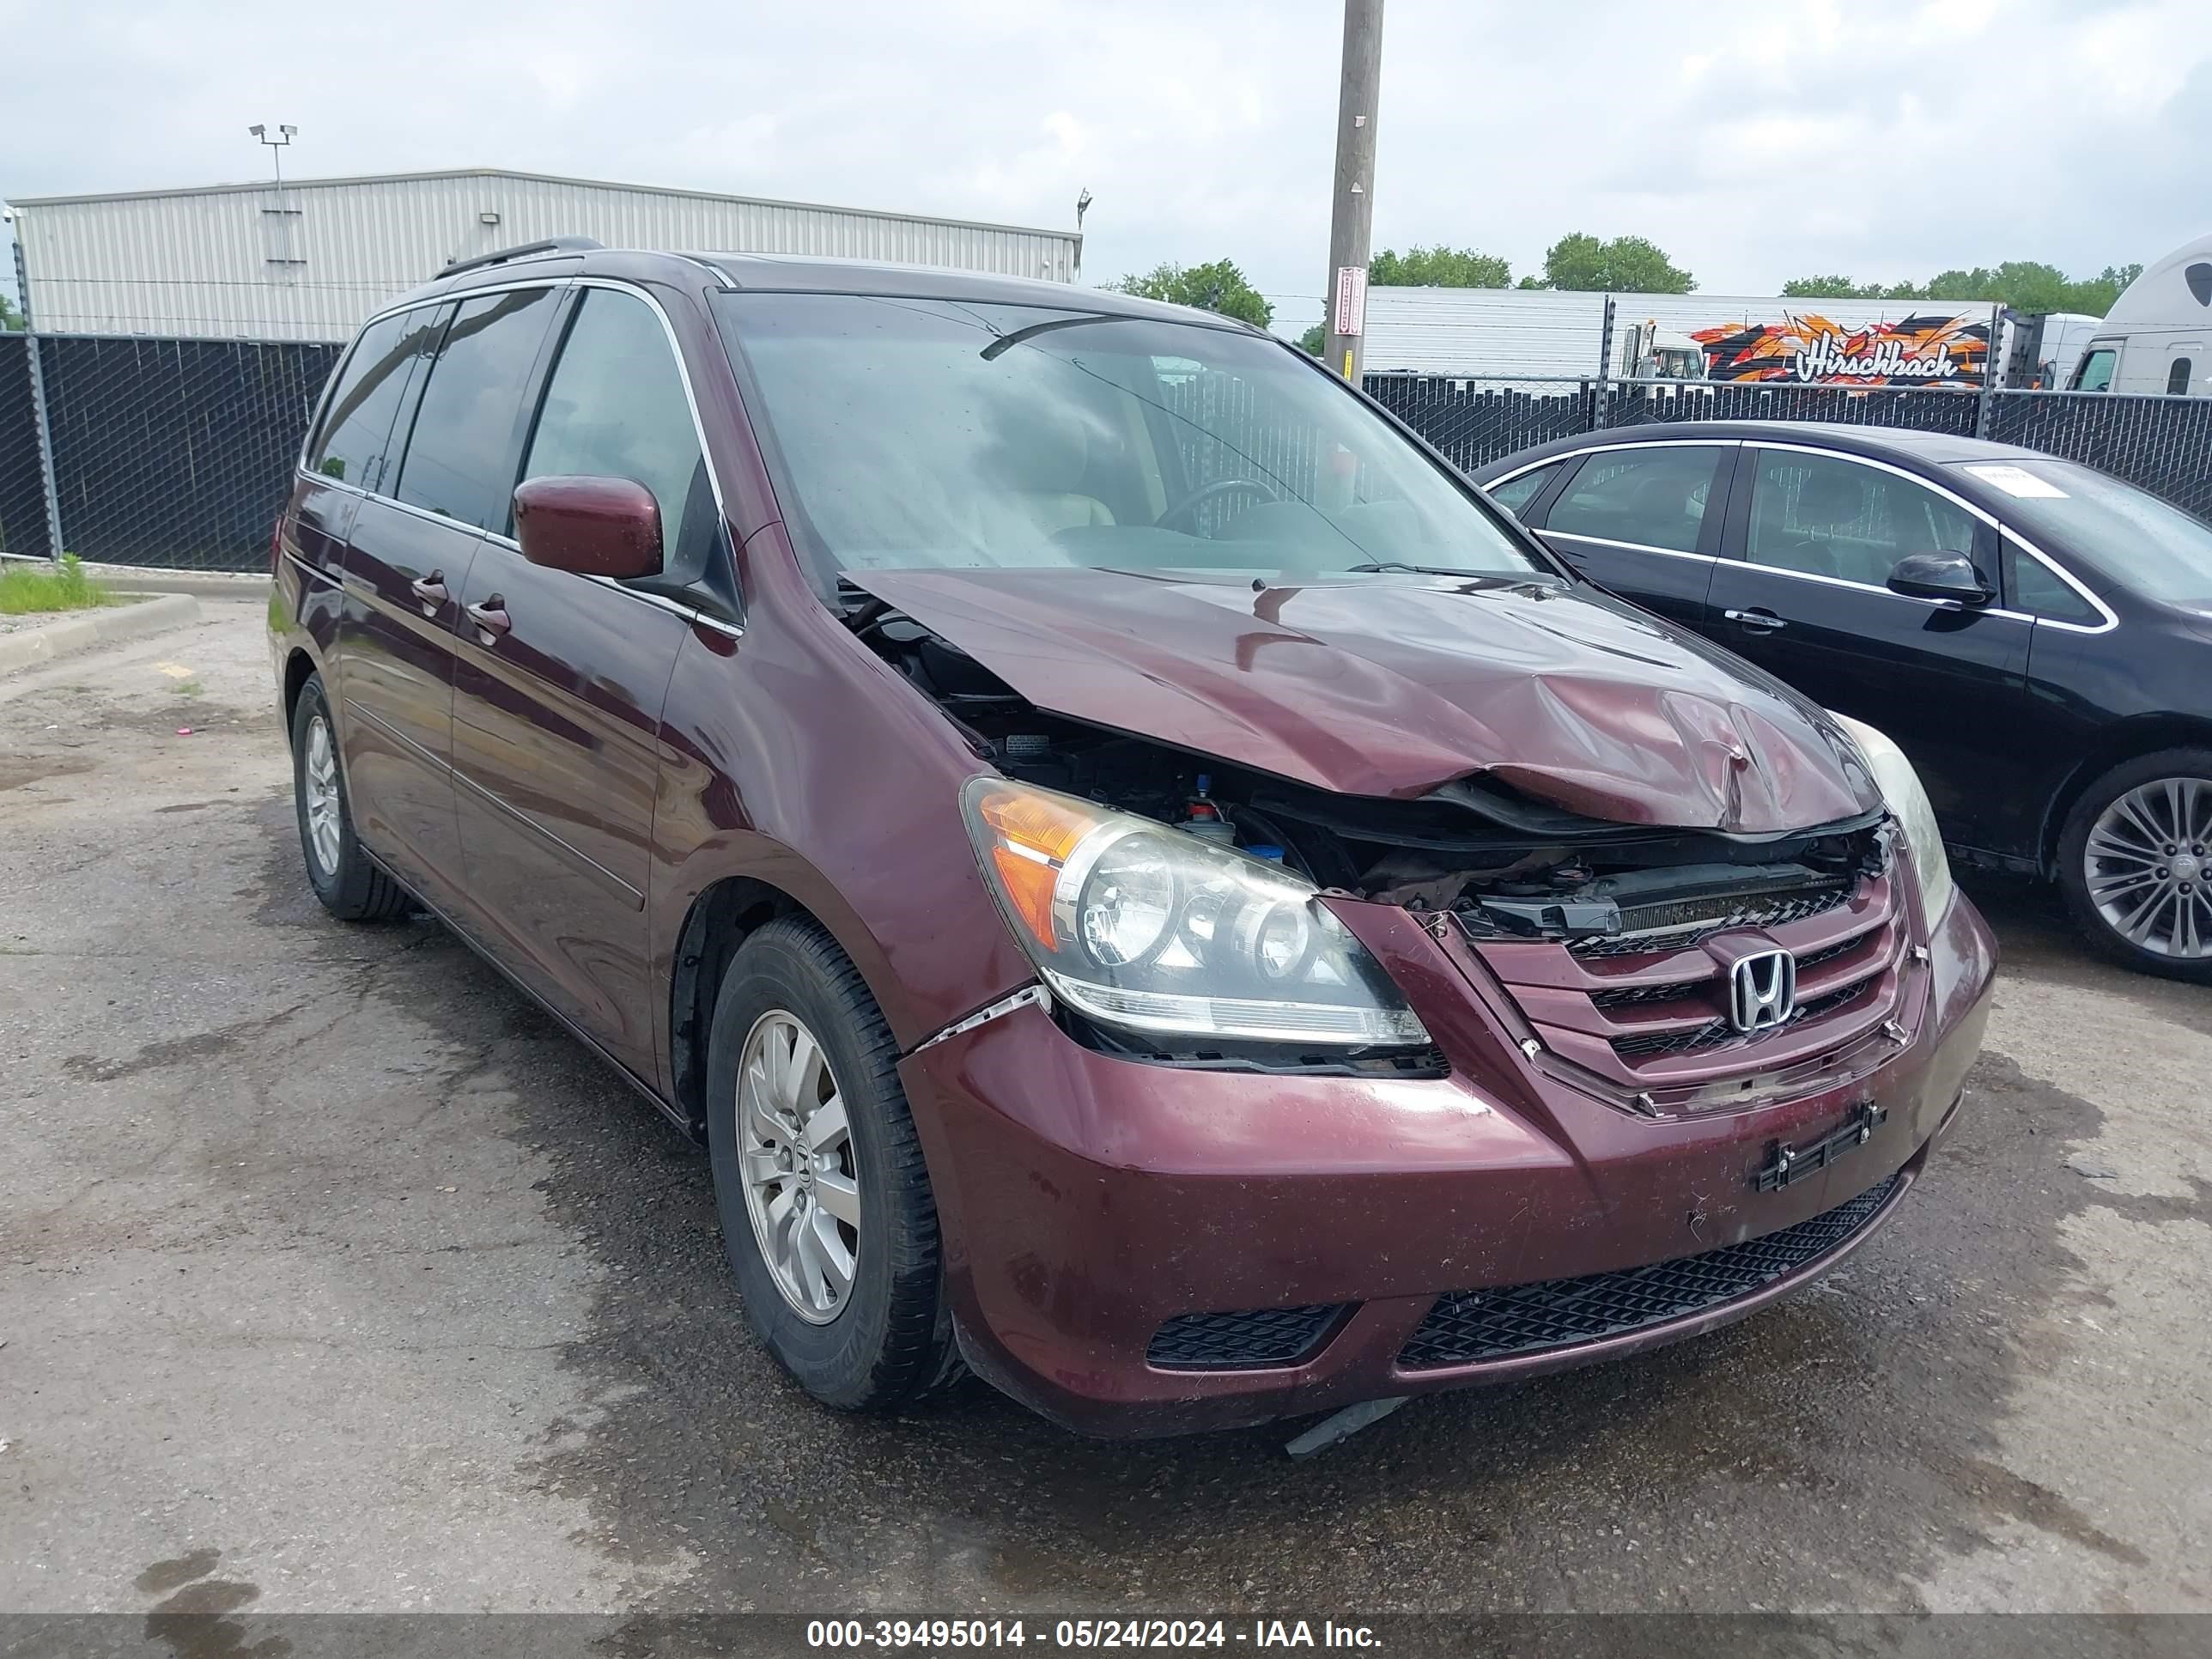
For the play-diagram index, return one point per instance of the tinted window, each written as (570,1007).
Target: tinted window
(358,424)
(2036,588)
(2177,377)
(1516,493)
(615,409)
(922,432)
(462,453)
(1828,517)
(1653,494)
(2096,373)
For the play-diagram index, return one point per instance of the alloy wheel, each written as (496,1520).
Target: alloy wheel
(796,1160)
(320,776)
(2147,862)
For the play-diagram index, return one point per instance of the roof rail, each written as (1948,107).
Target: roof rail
(551,244)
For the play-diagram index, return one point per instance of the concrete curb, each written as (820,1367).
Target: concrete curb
(208,584)
(81,630)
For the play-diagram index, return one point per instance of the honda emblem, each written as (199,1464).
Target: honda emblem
(1762,991)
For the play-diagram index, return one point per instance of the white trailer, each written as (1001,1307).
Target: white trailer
(1530,333)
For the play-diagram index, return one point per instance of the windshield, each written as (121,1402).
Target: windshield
(949,434)
(2143,543)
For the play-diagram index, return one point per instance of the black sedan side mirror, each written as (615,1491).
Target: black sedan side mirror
(1945,577)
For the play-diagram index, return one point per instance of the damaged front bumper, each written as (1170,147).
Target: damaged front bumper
(1134,1249)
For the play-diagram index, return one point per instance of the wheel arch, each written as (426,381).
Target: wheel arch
(299,669)
(2141,734)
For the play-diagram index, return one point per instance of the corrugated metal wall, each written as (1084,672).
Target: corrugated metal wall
(241,262)
(1504,333)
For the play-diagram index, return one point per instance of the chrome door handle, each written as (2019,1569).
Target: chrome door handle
(491,615)
(1764,622)
(431,590)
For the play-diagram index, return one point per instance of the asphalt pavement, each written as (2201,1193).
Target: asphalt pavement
(333,1277)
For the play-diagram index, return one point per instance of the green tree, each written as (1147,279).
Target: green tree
(1438,267)
(1830,288)
(1626,264)
(1314,339)
(1218,287)
(2027,286)
(11,320)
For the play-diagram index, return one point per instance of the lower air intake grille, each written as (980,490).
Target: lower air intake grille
(1252,1340)
(1468,1326)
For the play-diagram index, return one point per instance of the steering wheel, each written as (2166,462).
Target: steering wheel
(1206,493)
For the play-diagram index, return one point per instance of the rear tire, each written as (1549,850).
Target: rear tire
(351,888)
(794,1023)
(2134,861)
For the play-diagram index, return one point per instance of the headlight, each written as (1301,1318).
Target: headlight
(1900,787)
(1136,924)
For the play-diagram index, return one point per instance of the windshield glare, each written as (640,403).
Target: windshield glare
(949,434)
(2143,543)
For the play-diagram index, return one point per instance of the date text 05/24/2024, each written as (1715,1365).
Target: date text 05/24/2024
(1140,1632)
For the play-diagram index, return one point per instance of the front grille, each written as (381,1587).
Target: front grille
(1713,1033)
(1468,1326)
(1656,934)
(1655,1006)
(1255,1339)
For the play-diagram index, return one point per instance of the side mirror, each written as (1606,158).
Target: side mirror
(591,526)
(1945,577)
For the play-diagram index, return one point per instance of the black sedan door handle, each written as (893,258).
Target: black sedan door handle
(431,590)
(1760,621)
(491,615)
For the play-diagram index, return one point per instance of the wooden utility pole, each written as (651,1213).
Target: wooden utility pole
(1352,207)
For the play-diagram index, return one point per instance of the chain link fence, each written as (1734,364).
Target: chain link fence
(2163,445)
(173,452)
(22,480)
(1475,421)
(179,453)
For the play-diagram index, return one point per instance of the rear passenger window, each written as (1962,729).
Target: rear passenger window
(461,455)
(358,424)
(614,408)
(1654,495)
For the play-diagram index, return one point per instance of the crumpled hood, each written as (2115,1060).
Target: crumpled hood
(1393,685)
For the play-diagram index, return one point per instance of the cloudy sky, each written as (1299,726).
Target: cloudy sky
(1755,140)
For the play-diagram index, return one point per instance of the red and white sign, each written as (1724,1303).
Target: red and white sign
(1351,299)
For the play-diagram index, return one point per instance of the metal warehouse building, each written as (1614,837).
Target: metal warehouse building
(308,262)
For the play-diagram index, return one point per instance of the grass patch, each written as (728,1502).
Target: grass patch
(28,588)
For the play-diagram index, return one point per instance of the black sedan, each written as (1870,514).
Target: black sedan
(2035,634)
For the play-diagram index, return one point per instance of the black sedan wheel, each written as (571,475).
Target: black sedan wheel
(2135,861)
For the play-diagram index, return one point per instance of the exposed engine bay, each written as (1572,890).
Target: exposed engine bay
(1504,864)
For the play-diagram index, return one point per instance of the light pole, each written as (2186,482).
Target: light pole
(277,145)
(1082,207)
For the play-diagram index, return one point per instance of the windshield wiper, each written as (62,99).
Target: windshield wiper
(1006,342)
(1375,565)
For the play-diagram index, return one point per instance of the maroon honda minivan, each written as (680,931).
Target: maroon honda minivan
(1148,886)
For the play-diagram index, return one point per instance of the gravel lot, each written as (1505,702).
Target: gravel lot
(332,1277)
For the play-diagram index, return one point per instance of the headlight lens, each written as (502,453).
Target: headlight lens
(1900,787)
(1137,925)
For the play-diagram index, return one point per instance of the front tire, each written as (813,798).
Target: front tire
(2134,861)
(351,888)
(825,1206)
